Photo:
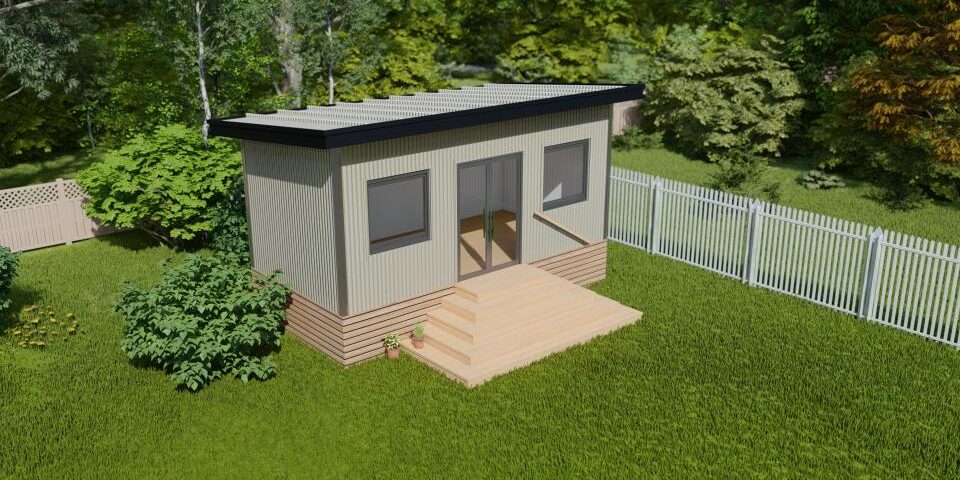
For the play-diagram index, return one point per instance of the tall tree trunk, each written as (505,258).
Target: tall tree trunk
(290,61)
(93,141)
(330,58)
(202,70)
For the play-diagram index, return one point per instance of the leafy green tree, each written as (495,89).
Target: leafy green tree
(36,42)
(333,30)
(28,128)
(219,47)
(164,183)
(406,55)
(134,84)
(896,112)
(718,97)
(560,41)
(207,318)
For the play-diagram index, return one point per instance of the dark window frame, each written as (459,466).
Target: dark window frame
(581,197)
(412,238)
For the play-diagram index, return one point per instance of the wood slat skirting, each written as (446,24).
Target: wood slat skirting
(358,337)
(351,339)
(582,266)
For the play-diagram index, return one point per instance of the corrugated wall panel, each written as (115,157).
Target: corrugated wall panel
(392,276)
(290,194)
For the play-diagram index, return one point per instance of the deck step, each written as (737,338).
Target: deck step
(538,350)
(512,317)
(451,322)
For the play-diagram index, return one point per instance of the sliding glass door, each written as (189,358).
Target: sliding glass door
(488,212)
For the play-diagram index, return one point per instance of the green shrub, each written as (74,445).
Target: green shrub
(230,233)
(718,96)
(205,319)
(907,170)
(633,136)
(820,180)
(9,262)
(164,183)
(742,173)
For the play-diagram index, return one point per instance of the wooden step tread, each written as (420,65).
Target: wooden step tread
(551,325)
(509,318)
(479,311)
(473,375)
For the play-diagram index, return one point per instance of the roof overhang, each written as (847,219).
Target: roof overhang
(353,135)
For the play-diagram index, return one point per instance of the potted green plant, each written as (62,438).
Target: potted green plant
(418,336)
(392,344)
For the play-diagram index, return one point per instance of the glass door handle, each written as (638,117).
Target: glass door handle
(485,226)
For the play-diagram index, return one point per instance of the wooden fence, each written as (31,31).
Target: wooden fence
(901,281)
(625,113)
(42,215)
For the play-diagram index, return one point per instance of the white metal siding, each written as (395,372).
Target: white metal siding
(383,278)
(290,195)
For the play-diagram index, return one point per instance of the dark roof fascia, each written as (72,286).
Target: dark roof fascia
(345,136)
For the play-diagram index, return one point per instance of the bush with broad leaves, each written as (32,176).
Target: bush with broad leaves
(207,318)
(164,183)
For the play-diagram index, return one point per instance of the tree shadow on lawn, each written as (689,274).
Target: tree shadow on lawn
(48,170)
(136,240)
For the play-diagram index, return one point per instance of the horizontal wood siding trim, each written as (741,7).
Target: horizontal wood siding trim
(349,340)
(582,266)
(359,337)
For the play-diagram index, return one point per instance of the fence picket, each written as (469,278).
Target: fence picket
(949,292)
(43,215)
(899,280)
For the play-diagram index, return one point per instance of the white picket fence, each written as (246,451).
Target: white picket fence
(47,214)
(902,281)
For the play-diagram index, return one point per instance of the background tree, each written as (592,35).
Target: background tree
(716,97)
(165,183)
(562,41)
(284,16)
(36,41)
(725,101)
(335,29)
(897,113)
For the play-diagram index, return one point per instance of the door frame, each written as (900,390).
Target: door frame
(519,206)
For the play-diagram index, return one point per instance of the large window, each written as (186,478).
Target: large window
(564,174)
(397,210)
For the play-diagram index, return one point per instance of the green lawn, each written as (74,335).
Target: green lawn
(858,202)
(717,379)
(61,165)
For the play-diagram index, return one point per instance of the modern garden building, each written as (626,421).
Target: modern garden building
(383,211)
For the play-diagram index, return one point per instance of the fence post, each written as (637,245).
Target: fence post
(870,274)
(656,195)
(65,222)
(753,243)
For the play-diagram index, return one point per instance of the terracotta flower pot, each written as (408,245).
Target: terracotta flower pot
(417,343)
(393,353)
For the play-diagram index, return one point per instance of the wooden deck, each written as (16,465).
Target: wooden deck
(510,318)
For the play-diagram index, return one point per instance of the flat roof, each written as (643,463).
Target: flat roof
(351,123)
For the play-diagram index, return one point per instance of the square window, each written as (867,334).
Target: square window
(564,174)
(397,211)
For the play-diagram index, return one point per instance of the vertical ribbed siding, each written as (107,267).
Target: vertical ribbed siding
(290,194)
(387,277)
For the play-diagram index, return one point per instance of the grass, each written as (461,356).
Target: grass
(717,379)
(61,165)
(857,202)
